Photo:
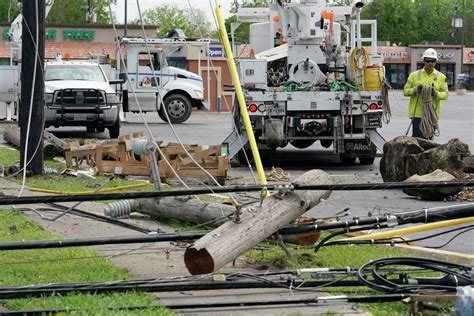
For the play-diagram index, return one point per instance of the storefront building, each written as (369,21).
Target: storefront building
(449,60)
(468,67)
(396,61)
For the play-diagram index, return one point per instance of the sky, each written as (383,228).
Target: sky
(149,4)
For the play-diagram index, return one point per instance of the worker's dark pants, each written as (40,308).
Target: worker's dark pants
(416,121)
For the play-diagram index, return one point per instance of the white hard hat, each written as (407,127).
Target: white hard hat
(430,53)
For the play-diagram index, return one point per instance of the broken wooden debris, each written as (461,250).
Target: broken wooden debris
(232,239)
(118,154)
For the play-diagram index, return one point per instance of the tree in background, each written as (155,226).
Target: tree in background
(242,33)
(74,11)
(63,11)
(406,22)
(193,22)
(8,10)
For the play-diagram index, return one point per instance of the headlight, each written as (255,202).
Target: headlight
(199,94)
(48,98)
(112,98)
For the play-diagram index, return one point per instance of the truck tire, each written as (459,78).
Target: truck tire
(326,143)
(178,108)
(114,130)
(367,161)
(302,143)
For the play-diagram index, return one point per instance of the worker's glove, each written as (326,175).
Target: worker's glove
(418,89)
(434,93)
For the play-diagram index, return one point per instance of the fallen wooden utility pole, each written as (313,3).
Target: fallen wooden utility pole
(232,239)
(192,210)
(11,135)
(210,213)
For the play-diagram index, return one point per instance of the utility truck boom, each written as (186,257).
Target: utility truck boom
(322,82)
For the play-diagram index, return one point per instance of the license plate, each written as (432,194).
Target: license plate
(80,117)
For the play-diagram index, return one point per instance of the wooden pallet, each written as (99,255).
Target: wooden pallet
(109,157)
(76,151)
(117,157)
(213,159)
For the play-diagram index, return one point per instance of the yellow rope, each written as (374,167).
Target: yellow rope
(429,121)
(124,187)
(359,59)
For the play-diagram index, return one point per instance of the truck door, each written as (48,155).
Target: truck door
(145,83)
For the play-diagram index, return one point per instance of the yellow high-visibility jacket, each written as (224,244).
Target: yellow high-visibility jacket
(436,79)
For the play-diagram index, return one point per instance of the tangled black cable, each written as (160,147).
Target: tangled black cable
(325,241)
(454,275)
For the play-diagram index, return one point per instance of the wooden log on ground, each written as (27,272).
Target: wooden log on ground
(209,213)
(227,242)
(192,210)
(11,135)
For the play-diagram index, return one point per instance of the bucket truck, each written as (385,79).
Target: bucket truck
(322,85)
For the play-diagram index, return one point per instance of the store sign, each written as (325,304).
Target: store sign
(394,54)
(79,35)
(215,52)
(71,35)
(442,55)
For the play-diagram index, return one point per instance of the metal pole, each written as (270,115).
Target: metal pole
(462,36)
(125,22)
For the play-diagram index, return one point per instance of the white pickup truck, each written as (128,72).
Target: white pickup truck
(78,93)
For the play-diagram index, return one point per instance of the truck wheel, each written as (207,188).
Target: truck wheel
(162,114)
(114,130)
(326,143)
(178,107)
(367,161)
(346,160)
(302,143)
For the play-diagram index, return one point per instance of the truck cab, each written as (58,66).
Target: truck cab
(78,93)
(157,86)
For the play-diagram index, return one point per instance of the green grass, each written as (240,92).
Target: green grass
(64,265)
(272,257)
(8,156)
(63,183)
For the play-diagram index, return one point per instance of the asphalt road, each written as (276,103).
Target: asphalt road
(203,128)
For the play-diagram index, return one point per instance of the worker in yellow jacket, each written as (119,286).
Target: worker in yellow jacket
(427,76)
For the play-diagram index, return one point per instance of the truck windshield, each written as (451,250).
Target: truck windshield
(74,72)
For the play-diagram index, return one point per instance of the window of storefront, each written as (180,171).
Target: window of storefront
(447,69)
(471,77)
(397,74)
